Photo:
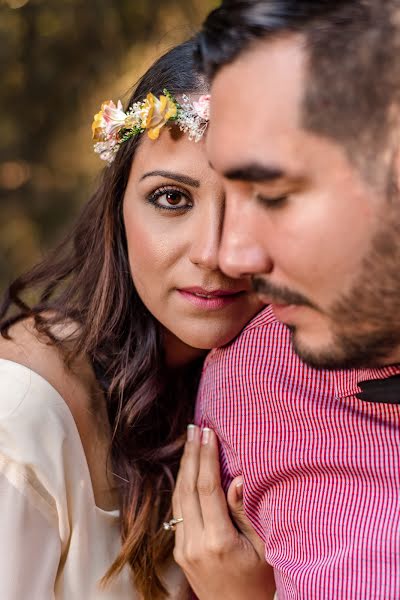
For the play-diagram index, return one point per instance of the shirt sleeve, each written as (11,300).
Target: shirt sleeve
(30,544)
(202,420)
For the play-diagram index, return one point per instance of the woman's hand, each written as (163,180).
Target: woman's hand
(220,562)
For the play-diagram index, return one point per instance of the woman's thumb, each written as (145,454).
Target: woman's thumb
(235,504)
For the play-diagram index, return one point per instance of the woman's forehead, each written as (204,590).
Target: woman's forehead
(172,148)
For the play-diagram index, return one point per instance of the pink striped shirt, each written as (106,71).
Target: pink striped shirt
(321,468)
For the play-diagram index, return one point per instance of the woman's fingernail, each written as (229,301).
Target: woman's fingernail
(205,436)
(190,433)
(239,490)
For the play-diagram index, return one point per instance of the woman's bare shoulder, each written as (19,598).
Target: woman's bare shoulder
(35,351)
(77,385)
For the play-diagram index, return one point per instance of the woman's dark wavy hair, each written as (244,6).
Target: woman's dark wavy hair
(87,279)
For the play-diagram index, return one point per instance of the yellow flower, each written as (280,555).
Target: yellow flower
(98,125)
(155,113)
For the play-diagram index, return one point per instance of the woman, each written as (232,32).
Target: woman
(101,350)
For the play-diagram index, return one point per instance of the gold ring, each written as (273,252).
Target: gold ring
(171,525)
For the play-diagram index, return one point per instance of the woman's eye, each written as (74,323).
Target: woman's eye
(170,199)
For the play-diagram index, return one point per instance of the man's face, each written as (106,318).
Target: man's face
(320,242)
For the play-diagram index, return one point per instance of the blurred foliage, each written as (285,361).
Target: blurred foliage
(59,60)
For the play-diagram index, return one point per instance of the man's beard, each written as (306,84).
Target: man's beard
(365,323)
(349,351)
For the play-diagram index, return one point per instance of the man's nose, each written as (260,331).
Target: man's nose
(243,249)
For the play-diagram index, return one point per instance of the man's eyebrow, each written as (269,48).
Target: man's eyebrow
(175,176)
(255,173)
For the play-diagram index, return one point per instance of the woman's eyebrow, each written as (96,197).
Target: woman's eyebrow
(176,176)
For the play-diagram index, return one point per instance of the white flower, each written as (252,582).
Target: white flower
(202,107)
(107,150)
(114,117)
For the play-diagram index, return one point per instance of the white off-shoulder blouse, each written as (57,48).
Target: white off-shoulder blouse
(55,543)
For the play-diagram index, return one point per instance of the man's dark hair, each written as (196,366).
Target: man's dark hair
(353,78)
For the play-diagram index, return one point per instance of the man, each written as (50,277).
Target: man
(305,129)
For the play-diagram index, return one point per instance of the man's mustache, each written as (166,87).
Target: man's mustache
(279,295)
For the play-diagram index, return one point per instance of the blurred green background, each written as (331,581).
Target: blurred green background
(59,59)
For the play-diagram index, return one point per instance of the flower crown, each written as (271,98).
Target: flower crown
(112,126)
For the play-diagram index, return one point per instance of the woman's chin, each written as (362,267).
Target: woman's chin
(184,347)
(208,340)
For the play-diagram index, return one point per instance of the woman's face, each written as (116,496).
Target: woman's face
(173,212)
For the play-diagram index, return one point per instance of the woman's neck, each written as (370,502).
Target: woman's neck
(178,354)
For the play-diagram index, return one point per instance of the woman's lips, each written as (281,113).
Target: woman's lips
(210,299)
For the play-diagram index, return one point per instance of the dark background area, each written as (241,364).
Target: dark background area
(59,59)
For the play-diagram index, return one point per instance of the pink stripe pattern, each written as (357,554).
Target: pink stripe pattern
(321,468)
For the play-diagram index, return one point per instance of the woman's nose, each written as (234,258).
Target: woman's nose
(206,240)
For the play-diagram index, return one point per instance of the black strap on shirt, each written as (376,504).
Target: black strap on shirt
(381,391)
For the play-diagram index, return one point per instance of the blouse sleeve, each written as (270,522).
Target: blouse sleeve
(30,543)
